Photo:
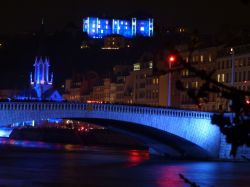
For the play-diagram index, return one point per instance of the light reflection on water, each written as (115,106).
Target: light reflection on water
(169,176)
(110,167)
(40,145)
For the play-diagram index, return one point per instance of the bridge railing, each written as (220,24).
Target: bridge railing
(67,106)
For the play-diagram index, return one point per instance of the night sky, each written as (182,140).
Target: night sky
(25,15)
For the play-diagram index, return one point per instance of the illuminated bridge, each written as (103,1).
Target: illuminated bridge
(166,131)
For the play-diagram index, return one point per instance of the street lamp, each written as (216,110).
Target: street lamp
(232,64)
(170,60)
(232,52)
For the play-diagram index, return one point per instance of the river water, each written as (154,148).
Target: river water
(69,165)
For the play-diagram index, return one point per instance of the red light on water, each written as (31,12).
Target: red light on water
(136,157)
(248,102)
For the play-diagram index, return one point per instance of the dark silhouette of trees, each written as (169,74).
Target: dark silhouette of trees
(235,125)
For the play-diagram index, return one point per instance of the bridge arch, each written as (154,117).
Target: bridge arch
(192,126)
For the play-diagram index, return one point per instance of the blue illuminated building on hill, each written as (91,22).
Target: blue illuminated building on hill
(99,28)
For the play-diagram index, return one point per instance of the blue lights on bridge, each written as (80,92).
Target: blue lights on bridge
(5,132)
(99,28)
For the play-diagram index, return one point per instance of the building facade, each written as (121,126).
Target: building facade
(204,59)
(233,69)
(98,28)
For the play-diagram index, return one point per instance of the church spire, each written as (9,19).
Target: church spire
(41,72)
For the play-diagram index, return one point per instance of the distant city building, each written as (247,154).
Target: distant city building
(116,42)
(8,93)
(202,58)
(239,57)
(41,82)
(79,86)
(99,28)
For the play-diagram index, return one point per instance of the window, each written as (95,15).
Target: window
(150,65)
(218,65)
(137,67)
(227,77)
(195,84)
(218,77)
(210,58)
(222,64)
(236,77)
(223,77)
(202,58)
(153,81)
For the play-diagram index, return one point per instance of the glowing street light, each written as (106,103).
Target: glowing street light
(232,64)
(170,60)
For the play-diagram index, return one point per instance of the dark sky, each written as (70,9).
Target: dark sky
(25,15)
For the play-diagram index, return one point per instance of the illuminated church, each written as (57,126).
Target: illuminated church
(41,80)
(41,83)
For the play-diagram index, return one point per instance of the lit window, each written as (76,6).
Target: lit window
(142,29)
(119,28)
(107,27)
(202,58)
(102,31)
(122,22)
(150,65)
(99,26)
(107,22)
(126,23)
(137,67)
(223,77)
(126,27)
(93,30)
(115,22)
(218,77)
(196,84)
(93,25)
(210,58)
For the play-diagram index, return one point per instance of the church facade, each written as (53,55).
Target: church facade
(41,83)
